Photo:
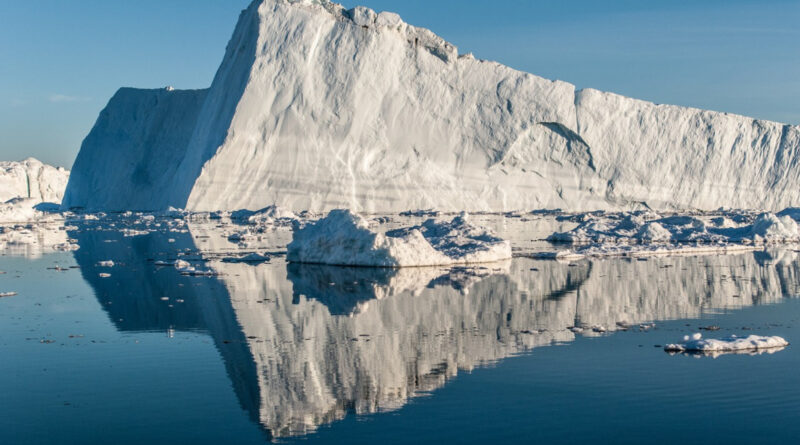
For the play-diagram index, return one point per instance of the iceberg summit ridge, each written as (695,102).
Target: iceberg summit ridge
(318,107)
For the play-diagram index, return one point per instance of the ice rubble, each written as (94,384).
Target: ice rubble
(345,238)
(357,109)
(643,233)
(696,343)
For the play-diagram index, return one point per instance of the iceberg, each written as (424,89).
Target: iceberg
(32,179)
(317,107)
(345,239)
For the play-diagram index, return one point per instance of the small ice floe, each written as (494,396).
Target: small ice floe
(7,294)
(178,264)
(106,263)
(733,344)
(191,271)
(103,275)
(185,268)
(133,232)
(346,239)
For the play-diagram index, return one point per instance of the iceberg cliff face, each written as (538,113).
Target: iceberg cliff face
(317,107)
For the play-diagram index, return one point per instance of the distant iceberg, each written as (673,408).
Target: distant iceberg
(32,179)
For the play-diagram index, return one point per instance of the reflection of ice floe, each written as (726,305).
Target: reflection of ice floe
(645,233)
(733,344)
(344,238)
(35,239)
(348,290)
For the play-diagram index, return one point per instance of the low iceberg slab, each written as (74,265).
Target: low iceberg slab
(645,233)
(696,343)
(344,238)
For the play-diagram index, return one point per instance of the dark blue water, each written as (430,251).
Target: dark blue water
(274,353)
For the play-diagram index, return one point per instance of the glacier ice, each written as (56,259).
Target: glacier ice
(346,239)
(315,107)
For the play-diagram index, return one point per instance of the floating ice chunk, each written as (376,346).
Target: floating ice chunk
(107,263)
(133,232)
(696,343)
(344,238)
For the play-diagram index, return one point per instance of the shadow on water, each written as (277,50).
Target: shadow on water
(304,345)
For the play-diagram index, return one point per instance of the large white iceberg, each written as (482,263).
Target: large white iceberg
(346,239)
(318,107)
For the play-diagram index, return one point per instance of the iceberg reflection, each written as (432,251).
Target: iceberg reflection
(306,344)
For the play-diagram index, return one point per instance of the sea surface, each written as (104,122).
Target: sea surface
(522,351)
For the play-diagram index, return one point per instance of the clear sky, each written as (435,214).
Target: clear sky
(60,61)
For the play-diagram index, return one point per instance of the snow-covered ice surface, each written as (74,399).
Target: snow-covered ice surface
(733,344)
(345,238)
(316,107)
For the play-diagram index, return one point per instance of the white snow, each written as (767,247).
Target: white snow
(345,238)
(696,343)
(349,108)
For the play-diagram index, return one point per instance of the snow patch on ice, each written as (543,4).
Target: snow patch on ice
(345,238)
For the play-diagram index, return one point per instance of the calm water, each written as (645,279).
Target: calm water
(290,353)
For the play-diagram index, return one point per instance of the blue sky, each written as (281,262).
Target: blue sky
(61,61)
